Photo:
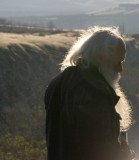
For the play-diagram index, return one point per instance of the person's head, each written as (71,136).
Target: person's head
(112,66)
(104,49)
(100,47)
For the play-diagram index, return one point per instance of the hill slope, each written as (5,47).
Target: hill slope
(27,64)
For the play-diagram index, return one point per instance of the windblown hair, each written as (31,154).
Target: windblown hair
(86,51)
(90,43)
(123,107)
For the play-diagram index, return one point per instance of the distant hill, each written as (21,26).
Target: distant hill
(125,16)
(28,62)
(122,9)
(54,7)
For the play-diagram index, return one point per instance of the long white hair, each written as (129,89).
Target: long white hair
(86,51)
(88,46)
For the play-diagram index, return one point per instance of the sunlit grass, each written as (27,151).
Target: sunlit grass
(58,40)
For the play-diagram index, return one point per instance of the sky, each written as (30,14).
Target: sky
(10,8)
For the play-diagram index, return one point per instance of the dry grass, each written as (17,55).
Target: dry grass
(58,40)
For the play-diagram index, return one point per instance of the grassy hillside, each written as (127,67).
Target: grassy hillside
(28,61)
(27,64)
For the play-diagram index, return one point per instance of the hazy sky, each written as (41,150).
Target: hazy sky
(55,7)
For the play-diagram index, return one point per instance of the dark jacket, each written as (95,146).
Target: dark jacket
(81,120)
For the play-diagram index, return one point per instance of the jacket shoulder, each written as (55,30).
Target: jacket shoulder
(55,84)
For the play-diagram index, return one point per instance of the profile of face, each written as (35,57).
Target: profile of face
(118,57)
(112,68)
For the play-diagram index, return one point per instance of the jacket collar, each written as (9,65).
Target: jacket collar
(96,79)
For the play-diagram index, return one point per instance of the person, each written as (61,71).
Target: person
(86,109)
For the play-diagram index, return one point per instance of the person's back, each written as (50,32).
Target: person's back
(83,116)
(83,113)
